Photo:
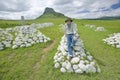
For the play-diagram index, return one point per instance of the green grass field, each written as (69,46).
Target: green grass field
(34,63)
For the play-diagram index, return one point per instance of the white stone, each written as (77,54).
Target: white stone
(98,70)
(90,68)
(70,70)
(75,60)
(57,65)
(79,71)
(28,45)
(63,70)
(90,58)
(64,64)
(118,46)
(100,29)
(68,66)
(82,66)
(15,46)
(75,66)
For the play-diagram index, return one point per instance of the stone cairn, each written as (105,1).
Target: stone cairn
(23,36)
(82,61)
(113,40)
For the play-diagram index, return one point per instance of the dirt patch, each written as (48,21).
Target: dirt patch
(10,56)
(47,49)
(36,66)
(50,46)
(35,70)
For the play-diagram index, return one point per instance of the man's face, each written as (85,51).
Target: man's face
(68,22)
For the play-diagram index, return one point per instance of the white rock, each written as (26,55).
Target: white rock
(92,63)
(82,61)
(15,46)
(23,45)
(55,57)
(77,48)
(98,70)
(79,71)
(90,68)
(83,55)
(64,64)
(90,58)
(75,66)
(118,46)
(1,46)
(82,66)
(65,53)
(75,60)
(57,65)
(28,45)
(59,59)
(68,66)
(63,70)
(70,70)
(100,29)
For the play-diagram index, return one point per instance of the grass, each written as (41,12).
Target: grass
(29,63)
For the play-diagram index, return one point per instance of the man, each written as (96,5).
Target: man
(70,33)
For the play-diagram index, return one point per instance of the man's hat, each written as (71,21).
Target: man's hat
(68,19)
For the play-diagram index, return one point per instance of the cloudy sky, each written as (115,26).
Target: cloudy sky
(14,9)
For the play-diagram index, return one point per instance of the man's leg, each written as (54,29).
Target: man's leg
(73,41)
(69,39)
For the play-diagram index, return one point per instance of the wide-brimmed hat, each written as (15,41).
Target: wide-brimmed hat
(68,19)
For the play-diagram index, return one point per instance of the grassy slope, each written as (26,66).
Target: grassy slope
(28,63)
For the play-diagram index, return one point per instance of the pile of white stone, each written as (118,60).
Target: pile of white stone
(5,38)
(99,28)
(61,25)
(113,40)
(48,24)
(82,61)
(90,26)
(22,36)
(27,36)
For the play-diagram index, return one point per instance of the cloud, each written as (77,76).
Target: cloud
(62,2)
(14,5)
(14,9)
(89,8)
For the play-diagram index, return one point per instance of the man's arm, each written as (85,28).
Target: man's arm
(75,29)
(65,30)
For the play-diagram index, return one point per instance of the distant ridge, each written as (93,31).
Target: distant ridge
(107,18)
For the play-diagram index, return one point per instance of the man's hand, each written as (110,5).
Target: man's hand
(75,34)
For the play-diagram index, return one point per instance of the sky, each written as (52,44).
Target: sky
(31,9)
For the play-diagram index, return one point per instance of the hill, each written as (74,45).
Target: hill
(51,13)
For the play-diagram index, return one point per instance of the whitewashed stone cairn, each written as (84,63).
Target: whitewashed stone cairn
(27,36)
(82,62)
(90,26)
(48,24)
(95,28)
(61,27)
(23,36)
(113,40)
(101,28)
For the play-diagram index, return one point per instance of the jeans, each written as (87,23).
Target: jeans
(71,43)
